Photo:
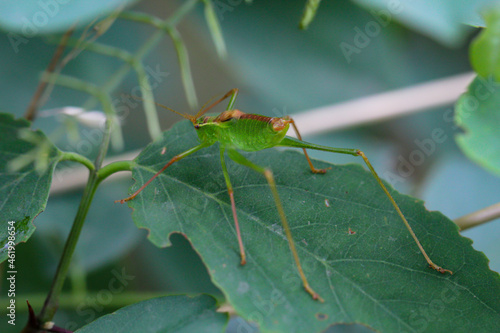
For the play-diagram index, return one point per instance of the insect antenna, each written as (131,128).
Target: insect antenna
(184,115)
(233,93)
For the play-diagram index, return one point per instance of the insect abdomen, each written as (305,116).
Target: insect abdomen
(252,132)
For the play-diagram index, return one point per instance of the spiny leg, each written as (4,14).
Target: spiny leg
(379,181)
(238,158)
(291,142)
(233,206)
(313,169)
(173,160)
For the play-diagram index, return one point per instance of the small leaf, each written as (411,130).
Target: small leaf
(485,49)
(309,13)
(477,112)
(23,191)
(163,314)
(355,250)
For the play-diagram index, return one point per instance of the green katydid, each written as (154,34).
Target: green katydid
(236,130)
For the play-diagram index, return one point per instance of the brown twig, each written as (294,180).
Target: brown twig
(34,104)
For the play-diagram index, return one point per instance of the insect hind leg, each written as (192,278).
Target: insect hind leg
(238,158)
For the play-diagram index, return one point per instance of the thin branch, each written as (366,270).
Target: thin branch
(35,101)
(152,120)
(215,29)
(479,217)
(150,43)
(396,103)
(180,48)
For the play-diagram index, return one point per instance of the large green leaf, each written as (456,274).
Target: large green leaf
(23,192)
(162,315)
(477,112)
(376,276)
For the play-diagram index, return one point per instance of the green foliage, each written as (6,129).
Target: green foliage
(444,23)
(180,314)
(376,276)
(27,162)
(478,114)
(485,49)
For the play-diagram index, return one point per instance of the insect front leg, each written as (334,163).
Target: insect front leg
(172,161)
(238,158)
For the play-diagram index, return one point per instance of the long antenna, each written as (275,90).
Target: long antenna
(184,115)
(232,92)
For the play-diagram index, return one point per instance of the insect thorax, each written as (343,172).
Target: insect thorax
(248,132)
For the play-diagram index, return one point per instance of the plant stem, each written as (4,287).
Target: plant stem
(479,217)
(150,43)
(114,167)
(52,301)
(70,156)
(182,55)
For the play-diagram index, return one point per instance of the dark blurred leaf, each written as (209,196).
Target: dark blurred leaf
(25,19)
(23,192)
(445,22)
(376,277)
(161,315)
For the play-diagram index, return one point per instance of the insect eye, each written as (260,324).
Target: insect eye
(278,124)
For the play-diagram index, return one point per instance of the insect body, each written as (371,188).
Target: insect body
(236,130)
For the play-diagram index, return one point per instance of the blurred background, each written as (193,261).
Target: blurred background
(280,70)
